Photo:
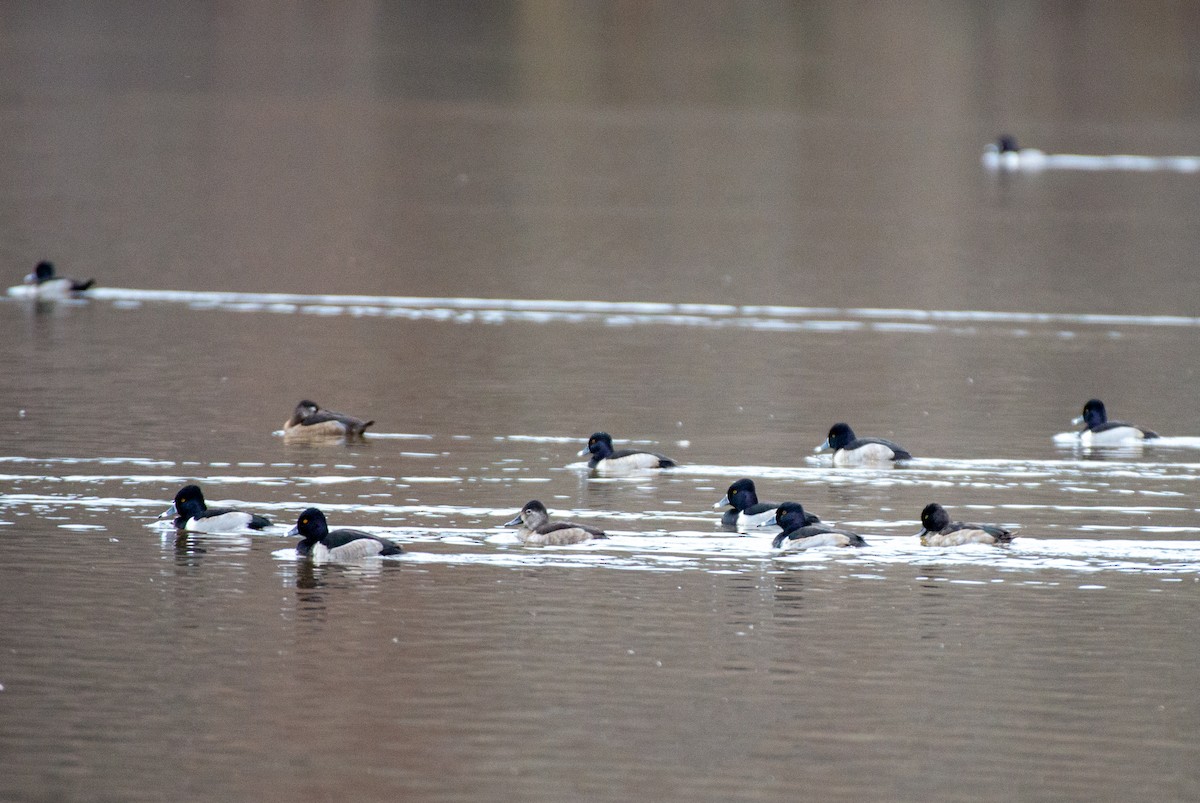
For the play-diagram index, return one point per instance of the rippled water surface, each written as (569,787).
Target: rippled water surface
(495,230)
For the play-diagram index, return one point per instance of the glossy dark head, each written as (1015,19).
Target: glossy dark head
(533,509)
(44,271)
(740,495)
(1007,144)
(189,502)
(600,445)
(934,519)
(790,516)
(840,436)
(311,525)
(1093,414)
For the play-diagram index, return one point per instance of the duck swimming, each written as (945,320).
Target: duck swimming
(321,544)
(745,511)
(310,420)
(193,515)
(799,533)
(604,460)
(938,530)
(534,528)
(1099,431)
(44,283)
(850,450)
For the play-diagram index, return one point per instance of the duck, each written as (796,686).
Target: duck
(746,511)
(310,420)
(606,461)
(1099,431)
(535,529)
(193,515)
(44,283)
(849,450)
(1006,154)
(938,530)
(321,544)
(799,532)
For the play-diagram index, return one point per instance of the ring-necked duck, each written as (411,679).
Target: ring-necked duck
(606,461)
(320,544)
(1005,154)
(310,420)
(535,528)
(799,533)
(849,450)
(746,511)
(193,515)
(1102,432)
(46,284)
(938,530)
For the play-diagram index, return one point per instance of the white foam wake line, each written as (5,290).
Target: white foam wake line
(627,313)
(1033,160)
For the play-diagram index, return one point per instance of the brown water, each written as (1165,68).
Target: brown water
(784,209)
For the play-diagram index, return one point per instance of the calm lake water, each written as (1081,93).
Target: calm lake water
(710,230)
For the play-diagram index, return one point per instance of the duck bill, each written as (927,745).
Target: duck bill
(724,501)
(824,445)
(1077,419)
(169,513)
(584,451)
(516,521)
(294,531)
(923,532)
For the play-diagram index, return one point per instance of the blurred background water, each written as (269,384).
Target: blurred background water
(784,210)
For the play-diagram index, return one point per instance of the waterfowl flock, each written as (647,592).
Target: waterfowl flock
(533,526)
(797,528)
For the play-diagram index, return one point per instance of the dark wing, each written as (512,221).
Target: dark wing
(571,525)
(79,286)
(807,531)
(256,522)
(663,462)
(900,451)
(339,538)
(1107,425)
(764,507)
(997,532)
(213,512)
(321,416)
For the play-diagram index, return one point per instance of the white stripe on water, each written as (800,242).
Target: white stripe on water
(634,313)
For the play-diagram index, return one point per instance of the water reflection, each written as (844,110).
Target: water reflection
(729,227)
